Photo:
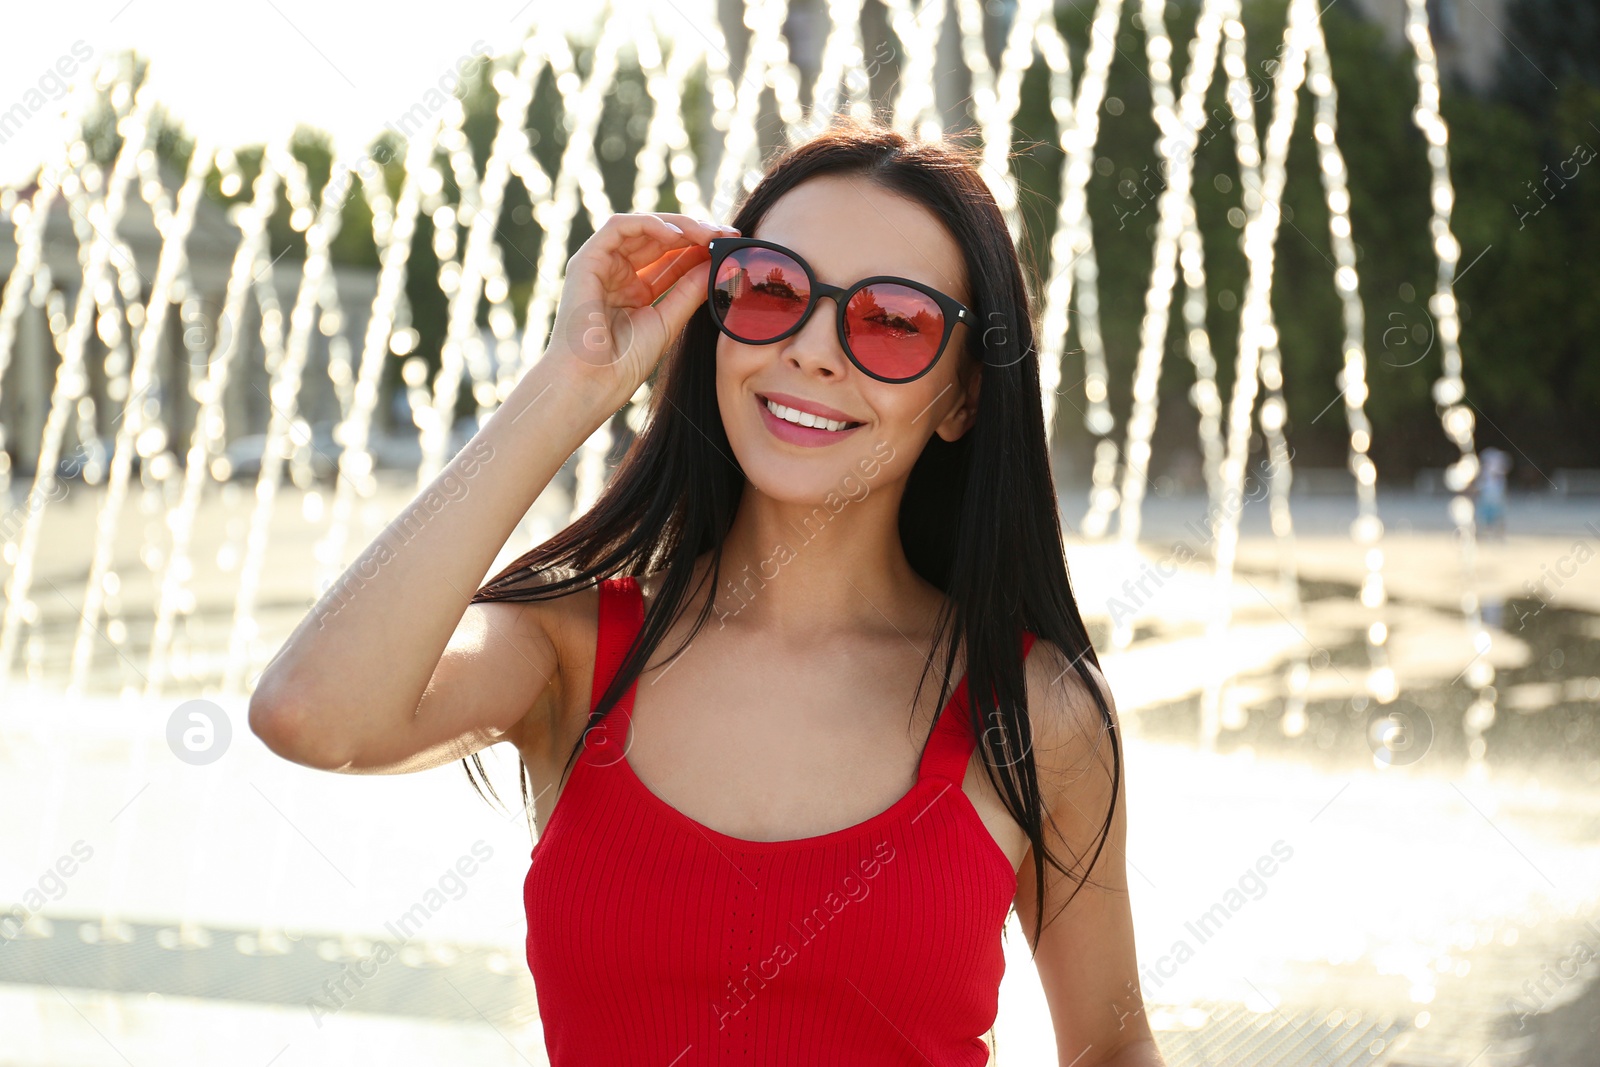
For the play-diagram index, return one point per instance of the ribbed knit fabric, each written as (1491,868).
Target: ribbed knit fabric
(655,940)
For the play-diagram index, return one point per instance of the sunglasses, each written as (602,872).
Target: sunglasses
(893,329)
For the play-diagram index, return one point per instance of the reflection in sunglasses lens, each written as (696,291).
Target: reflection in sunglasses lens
(894,330)
(760,293)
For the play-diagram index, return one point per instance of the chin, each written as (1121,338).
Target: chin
(801,465)
(777,473)
(830,478)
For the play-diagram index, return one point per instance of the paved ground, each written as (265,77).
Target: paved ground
(209,906)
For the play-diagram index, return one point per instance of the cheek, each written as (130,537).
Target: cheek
(732,367)
(911,411)
(736,364)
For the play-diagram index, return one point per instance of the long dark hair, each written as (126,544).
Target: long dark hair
(993,544)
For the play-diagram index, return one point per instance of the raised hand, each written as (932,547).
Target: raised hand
(610,331)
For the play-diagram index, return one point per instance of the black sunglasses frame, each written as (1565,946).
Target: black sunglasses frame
(719,247)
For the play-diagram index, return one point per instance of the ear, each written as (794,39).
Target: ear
(960,418)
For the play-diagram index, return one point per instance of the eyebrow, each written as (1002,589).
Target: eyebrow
(889,273)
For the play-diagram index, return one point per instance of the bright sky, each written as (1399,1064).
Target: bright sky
(244,70)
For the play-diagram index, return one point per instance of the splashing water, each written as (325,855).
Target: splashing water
(218,607)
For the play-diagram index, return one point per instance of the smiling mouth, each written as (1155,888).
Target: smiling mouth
(801,418)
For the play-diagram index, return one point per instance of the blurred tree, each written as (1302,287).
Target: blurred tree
(1528,321)
(1527,214)
(1553,45)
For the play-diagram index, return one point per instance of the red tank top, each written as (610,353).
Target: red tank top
(654,939)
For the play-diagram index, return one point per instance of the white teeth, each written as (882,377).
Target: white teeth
(803,418)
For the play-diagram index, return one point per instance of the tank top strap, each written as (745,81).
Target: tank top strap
(949,748)
(621,615)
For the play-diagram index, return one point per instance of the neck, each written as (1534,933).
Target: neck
(803,569)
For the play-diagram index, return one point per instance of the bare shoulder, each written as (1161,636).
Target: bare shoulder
(572,622)
(565,627)
(1071,733)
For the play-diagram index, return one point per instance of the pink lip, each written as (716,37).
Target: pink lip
(810,407)
(807,436)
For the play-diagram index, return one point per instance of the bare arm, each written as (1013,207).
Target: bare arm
(1085,957)
(391,669)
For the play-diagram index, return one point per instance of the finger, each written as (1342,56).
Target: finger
(625,224)
(698,231)
(640,238)
(681,300)
(680,258)
(642,288)
(636,239)
(689,224)
(660,275)
(632,248)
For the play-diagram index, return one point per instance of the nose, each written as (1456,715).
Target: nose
(815,349)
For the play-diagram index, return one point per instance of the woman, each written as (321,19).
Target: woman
(779,850)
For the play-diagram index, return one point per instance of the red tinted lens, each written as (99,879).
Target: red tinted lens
(760,293)
(894,330)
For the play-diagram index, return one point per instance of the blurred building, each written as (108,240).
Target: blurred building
(193,330)
(1468,34)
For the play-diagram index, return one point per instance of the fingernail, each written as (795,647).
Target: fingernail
(673,228)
